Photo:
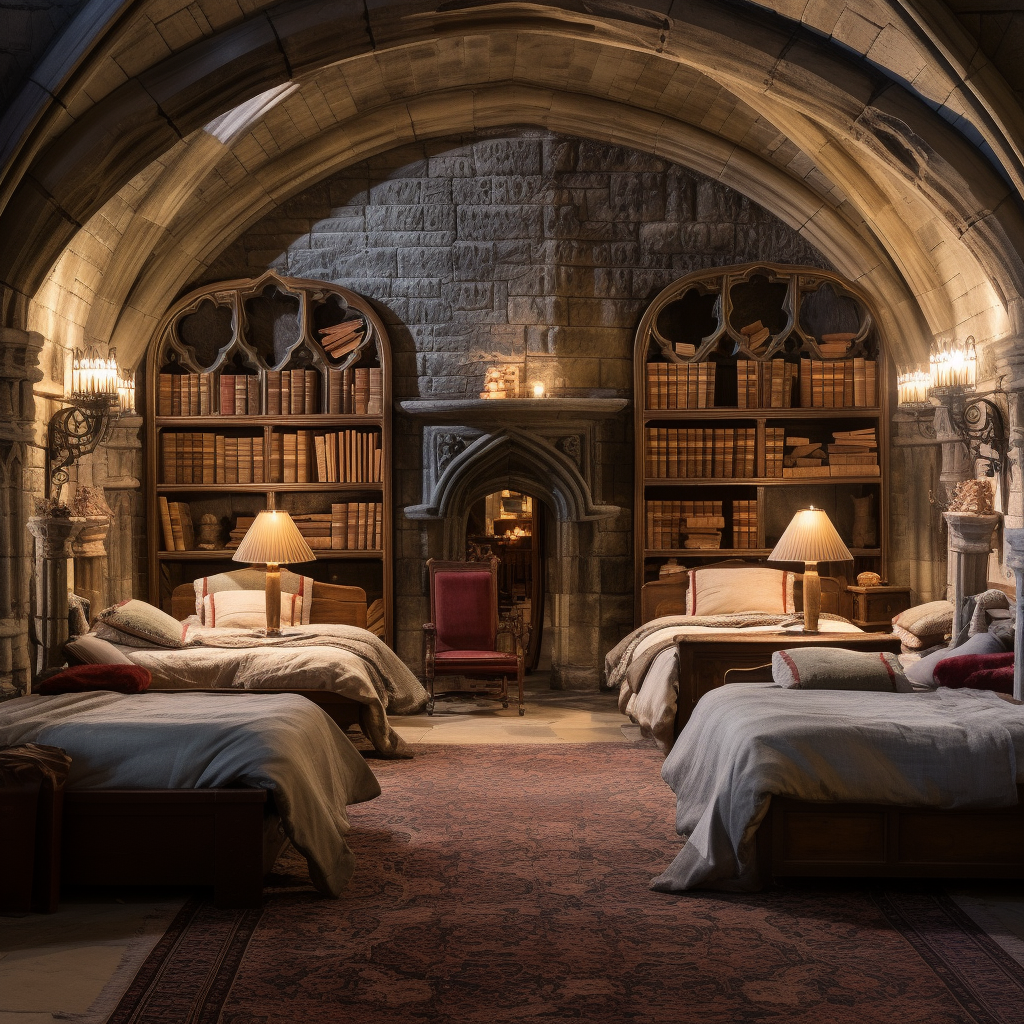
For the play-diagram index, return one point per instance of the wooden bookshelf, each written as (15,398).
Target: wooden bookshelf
(259,329)
(751,356)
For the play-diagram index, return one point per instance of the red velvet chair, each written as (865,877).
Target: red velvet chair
(462,637)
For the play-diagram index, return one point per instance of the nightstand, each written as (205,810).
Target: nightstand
(875,607)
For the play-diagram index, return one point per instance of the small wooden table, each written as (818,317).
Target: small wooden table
(876,607)
(704,660)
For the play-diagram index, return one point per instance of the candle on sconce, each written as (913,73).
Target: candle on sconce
(538,389)
(126,391)
(954,364)
(93,376)
(912,387)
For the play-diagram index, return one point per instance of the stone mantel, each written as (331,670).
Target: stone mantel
(510,411)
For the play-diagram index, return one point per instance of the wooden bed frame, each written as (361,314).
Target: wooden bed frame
(224,838)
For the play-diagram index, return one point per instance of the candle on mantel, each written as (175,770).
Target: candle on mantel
(954,365)
(92,375)
(538,389)
(912,387)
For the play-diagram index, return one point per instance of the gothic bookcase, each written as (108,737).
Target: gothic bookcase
(731,363)
(254,330)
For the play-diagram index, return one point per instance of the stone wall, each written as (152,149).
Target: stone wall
(527,248)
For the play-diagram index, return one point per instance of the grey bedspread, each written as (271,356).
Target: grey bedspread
(747,742)
(279,742)
(344,659)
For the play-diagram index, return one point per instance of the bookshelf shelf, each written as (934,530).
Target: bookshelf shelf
(804,352)
(295,347)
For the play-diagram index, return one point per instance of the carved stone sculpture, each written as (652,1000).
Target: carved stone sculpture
(209,533)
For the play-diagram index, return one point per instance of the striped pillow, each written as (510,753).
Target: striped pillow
(722,591)
(247,609)
(132,621)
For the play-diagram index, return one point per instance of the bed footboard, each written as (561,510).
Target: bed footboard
(209,837)
(800,838)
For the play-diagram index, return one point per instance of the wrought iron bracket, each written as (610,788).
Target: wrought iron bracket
(74,432)
(979,424)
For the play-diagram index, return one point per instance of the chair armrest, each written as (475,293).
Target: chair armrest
(429,627)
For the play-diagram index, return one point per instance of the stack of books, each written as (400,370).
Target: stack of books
(292,392)
(672,524)
(744,523)
(757,335)
(357,526)
(854,453)
(211,459)
(291,457)
(176,524)
(683,452)
(348,456)
(774,440)
(186,394)
(804,457)
(242,524)
(765,385)
(681,385)
(342,338)
(838,383)
(358,391)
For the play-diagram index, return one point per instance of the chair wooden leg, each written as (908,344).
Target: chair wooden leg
(430,698)
(504,691)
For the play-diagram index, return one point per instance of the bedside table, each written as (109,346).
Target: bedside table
(875,607)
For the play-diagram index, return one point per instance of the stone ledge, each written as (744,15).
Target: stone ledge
(510,410)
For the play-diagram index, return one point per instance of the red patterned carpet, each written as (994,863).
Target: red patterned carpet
(509,883)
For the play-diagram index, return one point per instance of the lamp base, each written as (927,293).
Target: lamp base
(812,597)
(273,585)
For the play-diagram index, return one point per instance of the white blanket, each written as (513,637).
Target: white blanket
(278,742)
(344,659)
(645,666)
(747,742)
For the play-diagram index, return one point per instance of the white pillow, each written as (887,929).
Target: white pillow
(253,580)
(722,591)
(247,609)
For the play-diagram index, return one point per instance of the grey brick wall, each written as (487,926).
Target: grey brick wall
(530,248)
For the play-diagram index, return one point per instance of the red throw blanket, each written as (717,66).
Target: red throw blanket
(977,672)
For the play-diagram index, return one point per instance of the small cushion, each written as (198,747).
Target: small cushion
(86,678)
(924,625)
(254,579)
(246,609)
(133,621)
(922,672)
(722,591)
(93,650)
(832,668)
(969,671)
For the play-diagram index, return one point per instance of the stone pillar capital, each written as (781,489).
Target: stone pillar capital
(55,534)
(970,533)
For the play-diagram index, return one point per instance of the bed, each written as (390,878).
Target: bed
(646,667)
(773,782)
(197,789)
(328,657)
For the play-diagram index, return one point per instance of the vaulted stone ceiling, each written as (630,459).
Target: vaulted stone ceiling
(158,133)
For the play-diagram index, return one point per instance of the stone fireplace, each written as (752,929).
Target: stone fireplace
(551,449)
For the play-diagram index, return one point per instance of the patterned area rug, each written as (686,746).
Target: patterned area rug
(509,883)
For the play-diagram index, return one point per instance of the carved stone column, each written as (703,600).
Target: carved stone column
(1015,560)
(970,541)
(21,477)
(90,551)
(53,552)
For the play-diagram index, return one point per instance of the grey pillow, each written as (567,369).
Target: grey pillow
(91,650)
(832,668)
(922,672)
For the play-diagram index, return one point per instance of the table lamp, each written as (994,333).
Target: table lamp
(811,538)
(273,539)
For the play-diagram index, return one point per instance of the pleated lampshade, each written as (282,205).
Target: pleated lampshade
(273,539)
(810,537)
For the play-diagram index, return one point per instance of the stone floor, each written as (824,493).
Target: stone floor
(77,962)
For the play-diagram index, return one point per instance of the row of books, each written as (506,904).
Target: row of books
(774,442)
(355,391)
(349,526)
(207,458)
(744,523)
(176,525)
(671,452)
(850,453)
(687,524)
(827,384)
(681,385)
(347,456)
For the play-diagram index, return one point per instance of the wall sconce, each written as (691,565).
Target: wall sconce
(951,381)
(537,388)
(99,393)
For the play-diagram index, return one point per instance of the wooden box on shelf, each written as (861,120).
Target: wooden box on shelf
(874,608)
(759,389)
(270,393)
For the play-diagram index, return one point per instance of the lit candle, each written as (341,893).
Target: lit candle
(93,376)
(538,389)
(954,365)
(912,387)
(126,391)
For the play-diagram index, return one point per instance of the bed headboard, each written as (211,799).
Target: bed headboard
(668,596)
(331,603)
